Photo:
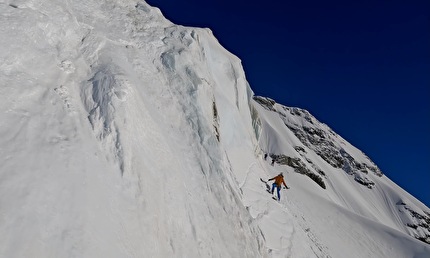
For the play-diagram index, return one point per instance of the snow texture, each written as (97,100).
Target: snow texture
(124,135)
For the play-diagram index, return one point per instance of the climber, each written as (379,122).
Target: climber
(279,180)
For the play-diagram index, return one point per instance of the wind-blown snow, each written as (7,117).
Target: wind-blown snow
(124,135)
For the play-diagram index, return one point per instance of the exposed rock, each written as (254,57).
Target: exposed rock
(300,150)
(420,223)
(265,102)
(298,166)
(364,180)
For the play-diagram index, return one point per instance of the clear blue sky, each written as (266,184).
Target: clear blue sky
(361,67)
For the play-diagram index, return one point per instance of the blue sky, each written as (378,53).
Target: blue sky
(361,67)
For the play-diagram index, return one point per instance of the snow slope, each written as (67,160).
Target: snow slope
(369,220)
(124,135)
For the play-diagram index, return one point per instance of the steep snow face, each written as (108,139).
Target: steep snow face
(112,122)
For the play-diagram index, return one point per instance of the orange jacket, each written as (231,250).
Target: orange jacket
(279,180)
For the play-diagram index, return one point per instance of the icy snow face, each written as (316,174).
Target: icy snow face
(112,123)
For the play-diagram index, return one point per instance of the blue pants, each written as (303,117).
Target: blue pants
(278,190)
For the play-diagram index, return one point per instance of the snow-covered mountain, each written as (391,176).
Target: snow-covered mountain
(124,135)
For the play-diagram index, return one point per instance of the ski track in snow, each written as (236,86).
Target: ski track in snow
(287,239)
(322,251)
